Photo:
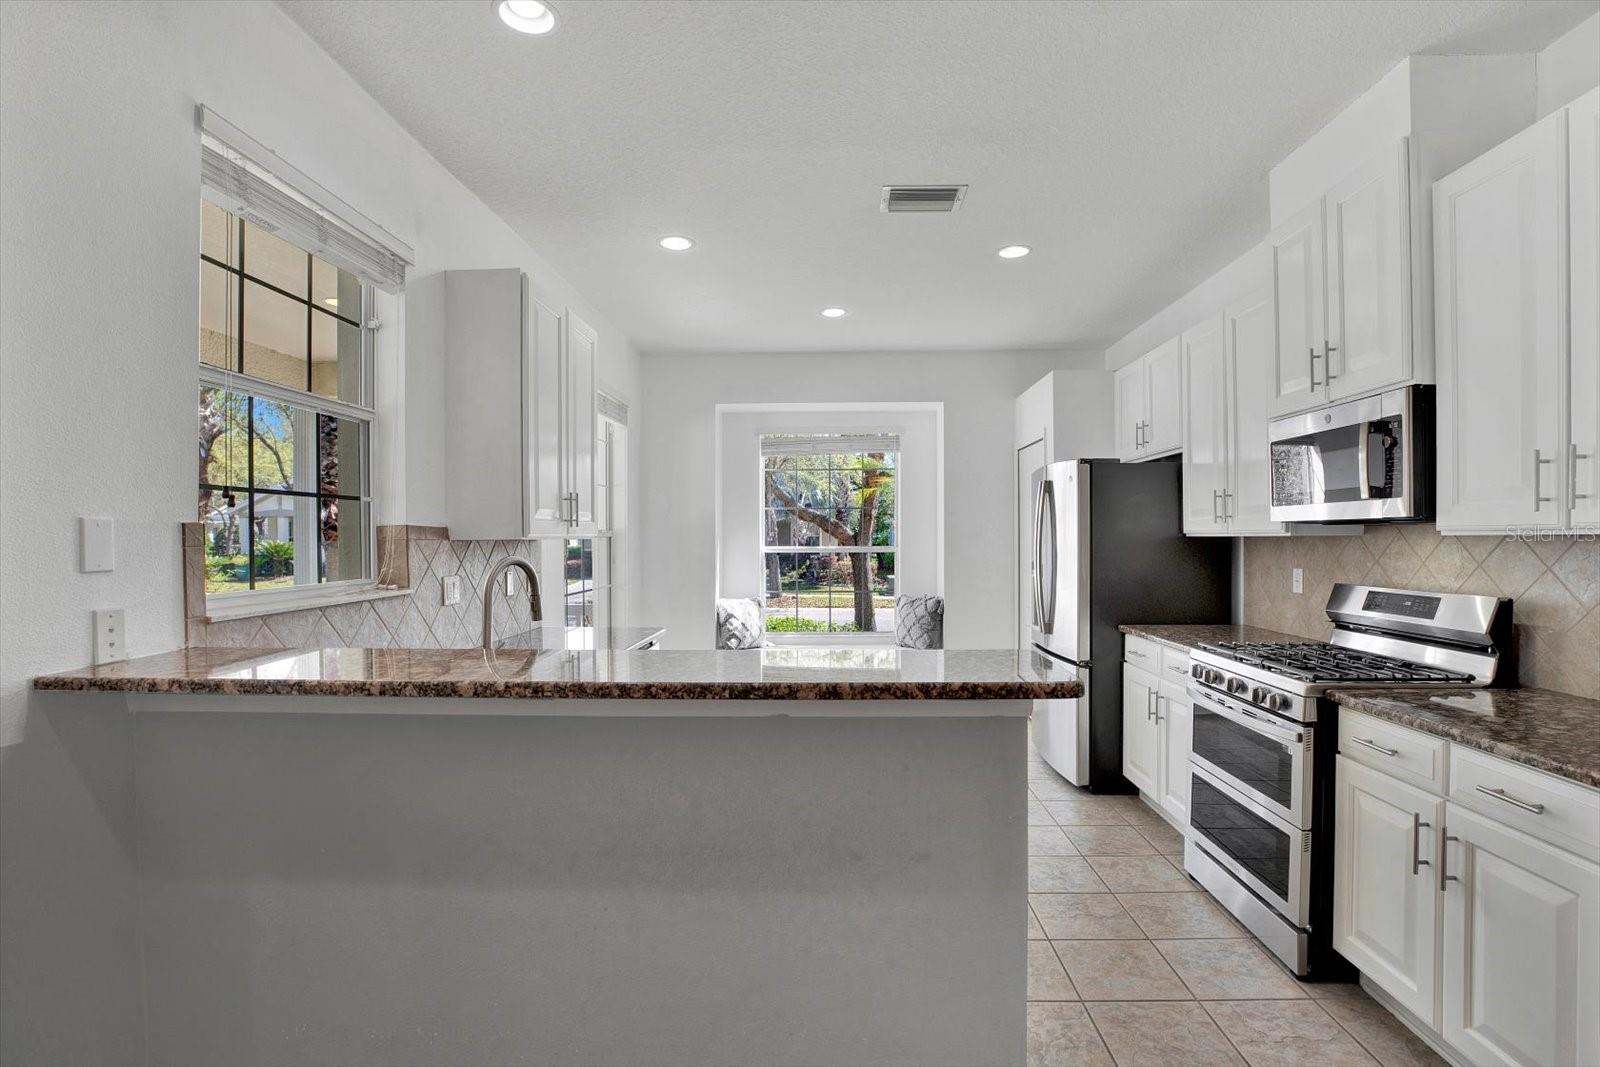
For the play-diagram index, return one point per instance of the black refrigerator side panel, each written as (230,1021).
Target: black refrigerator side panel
(1142,570)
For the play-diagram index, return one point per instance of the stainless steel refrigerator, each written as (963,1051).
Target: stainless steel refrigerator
(1109,548)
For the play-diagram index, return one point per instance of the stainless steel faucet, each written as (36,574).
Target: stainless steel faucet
(488,594)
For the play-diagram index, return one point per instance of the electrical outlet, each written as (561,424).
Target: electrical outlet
(1299,580)
(452,589)
(110,635)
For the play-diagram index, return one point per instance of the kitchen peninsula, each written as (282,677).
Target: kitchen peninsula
(777,855)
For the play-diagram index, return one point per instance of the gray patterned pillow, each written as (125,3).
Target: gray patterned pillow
(739,623)
(919,621)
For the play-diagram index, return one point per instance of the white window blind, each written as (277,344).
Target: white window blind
(250,180)
(827,444)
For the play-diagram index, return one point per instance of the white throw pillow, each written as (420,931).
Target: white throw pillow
(739,623)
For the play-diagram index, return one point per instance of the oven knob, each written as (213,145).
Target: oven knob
(1278,702)
(1237,685)
(1258,694)
(1212,676)
(1197,671)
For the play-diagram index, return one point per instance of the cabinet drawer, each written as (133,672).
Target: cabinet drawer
(1142,653)
(1568,814)
(1410,755)
(1175,665)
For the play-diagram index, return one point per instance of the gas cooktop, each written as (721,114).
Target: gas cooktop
(1330,663)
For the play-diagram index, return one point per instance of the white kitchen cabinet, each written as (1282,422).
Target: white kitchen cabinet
(1515,270)
(519,406)
(1149,404)
(1205,445)
(1521,970)
(1174,739)
(1342,289)
(1140,740)
(1385,918)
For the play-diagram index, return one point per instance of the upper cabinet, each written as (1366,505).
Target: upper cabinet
(1149,404)
(1341,279)
(519,408)
(1517,271)
(1226,360)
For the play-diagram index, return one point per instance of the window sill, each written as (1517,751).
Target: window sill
(274,603)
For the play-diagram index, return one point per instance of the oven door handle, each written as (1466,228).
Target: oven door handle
(1257,722)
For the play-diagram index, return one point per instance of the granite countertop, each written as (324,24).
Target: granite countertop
(1192,635)
(551,636)
(1540,728)
(885,673)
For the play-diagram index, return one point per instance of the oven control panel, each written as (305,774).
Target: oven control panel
(1252,692)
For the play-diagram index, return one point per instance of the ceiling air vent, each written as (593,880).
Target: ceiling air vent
(922,197)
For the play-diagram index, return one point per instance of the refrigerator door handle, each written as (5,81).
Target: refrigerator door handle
(1038,557)
(1049,488)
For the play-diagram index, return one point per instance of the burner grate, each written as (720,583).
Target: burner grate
(1312,662)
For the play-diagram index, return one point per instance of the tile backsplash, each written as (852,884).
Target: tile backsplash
(414,558)
(1555,583)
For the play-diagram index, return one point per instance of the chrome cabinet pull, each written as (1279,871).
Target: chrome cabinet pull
(1311,368)
(1149,702)
(1537,499)
(1216,504)
(1573,471)
(1327,363)
(1500,794)
(1417,862)
(1368,743)
(1227,505)
(1444,857)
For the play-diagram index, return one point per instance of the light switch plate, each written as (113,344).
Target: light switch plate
(1299,580)
(110,635)
(96,545)
(452,589)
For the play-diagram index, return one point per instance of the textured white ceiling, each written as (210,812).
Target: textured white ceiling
(1127,142)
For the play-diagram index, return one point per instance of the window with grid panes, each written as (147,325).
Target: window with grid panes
(285,412)
(830,532)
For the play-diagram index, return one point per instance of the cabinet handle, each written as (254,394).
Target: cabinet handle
(1444,857)
(1227,505)
(1537,499)
(1311,368)
(1327,363)
(1573,471)
(1216,503)
(1417,862)
(1149,699)
(1368,743)
(1500,794)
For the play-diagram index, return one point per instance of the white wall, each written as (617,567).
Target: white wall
(99,189)
(1569,66)
(678,445)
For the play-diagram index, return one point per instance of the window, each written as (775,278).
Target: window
(284,412)
(830,530)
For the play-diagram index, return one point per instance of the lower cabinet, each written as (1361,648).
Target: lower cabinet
(1385,918)
(1521,946)
(1140,741)
(1175,729)
(1488,935)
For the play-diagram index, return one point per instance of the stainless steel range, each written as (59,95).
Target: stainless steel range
(1261,769)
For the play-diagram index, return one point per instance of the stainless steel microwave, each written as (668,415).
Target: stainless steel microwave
(1368,460)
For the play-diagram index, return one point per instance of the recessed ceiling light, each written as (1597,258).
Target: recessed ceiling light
(833,313)
(537,17)
(1013,251)
(676,242)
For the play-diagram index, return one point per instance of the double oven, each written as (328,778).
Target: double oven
(1251,797)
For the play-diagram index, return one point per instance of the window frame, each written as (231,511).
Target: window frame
(235,381)
(833,638)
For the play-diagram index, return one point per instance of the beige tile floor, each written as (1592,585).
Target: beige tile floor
(1130,963)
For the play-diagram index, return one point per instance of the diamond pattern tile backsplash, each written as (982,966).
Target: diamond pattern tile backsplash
(414,557)
(1554,582)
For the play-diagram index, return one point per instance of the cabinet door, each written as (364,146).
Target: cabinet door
(1131,408)
(1583,251)
(578,421)
(1521,975)
(1247,501)
(1299,311)
(542,409)
(1369,277)
(1139,748)
(1175,727)
(1164,383)
(1385,900)
(1497,305)
(1205,434)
